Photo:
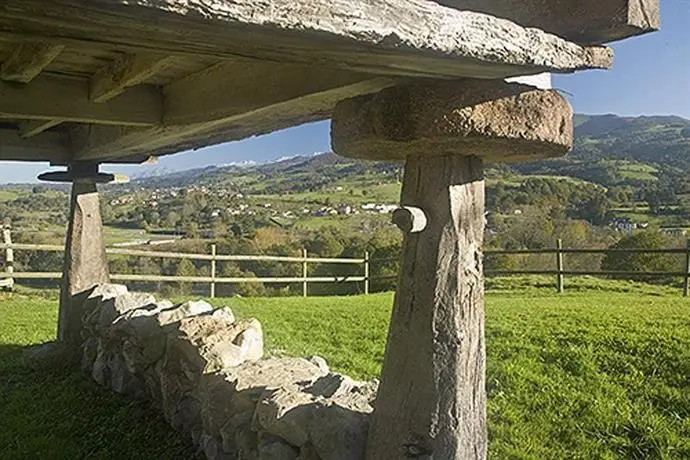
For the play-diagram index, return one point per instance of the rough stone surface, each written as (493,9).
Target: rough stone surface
(583,21)
(191,308)
(204,370)
(338,433)
(50,355)
(272,448)
(489,119)
(400,37)
(286,413)
(112,308)
(85,263)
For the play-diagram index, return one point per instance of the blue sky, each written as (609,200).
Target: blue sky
(651,76)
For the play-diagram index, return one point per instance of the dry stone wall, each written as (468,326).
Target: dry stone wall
(205,371)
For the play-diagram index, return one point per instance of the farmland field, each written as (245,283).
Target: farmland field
(599,372)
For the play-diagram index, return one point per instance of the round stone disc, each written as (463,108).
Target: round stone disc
(65,176)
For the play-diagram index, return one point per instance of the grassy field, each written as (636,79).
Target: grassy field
(601,372)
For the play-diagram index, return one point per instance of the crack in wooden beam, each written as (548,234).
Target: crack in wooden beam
(32,128)
(582,21)
(390,37)
(28,60)
(127,71)
(51,97)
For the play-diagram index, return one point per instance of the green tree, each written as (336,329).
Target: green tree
(640,262)
(185,268)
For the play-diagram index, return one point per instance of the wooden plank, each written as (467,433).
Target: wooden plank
(9,257)
(398,37)
(51,97)
(208,279)
(127,71)
(230,101)
(621,273)
(582,21)
(31,128)
(28,60)
(45,146)
(431,402)
(186,255)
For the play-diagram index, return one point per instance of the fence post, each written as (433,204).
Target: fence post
(366,272)
(304,273)
(213,271)
(9,255)
(686,281)
(559,265)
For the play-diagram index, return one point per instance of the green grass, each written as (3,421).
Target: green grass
(59,415)
(601,372)
(8,195)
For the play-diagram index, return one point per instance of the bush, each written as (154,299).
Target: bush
(641,262)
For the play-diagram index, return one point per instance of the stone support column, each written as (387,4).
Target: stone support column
(85,264)
(431,402)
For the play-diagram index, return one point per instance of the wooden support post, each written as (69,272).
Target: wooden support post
(686,281)
(431,401)
(85,264)
(305,273)
(213,271)
(559,266)
(9,256)
(366,272)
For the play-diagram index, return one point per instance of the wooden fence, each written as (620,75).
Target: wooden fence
(213,257)
(558,252)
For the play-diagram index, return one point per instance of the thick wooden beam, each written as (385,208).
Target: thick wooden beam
(28,60)
(431,401)
(43,147)
(582,21)
(393,37)
(29,129)
(129,70)
(51,97)
(230,101)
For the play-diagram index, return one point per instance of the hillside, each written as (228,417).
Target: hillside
(613,150)
(623,173)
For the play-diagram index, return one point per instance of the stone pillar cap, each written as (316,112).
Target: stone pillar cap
(490,119)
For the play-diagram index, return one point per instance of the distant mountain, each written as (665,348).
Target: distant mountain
(608,150)
(612,150)
(661,139)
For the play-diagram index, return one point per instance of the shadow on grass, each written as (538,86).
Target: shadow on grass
(60,413)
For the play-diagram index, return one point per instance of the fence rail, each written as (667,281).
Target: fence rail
(7,278)
(559,272)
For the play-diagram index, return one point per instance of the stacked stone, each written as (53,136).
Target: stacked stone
(204,370)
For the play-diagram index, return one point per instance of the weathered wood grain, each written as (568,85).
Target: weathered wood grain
(29,129)
(43,147)
(127,71)
(431,402)
(28,60)
(582,21)
(230,101)
(398,37)
(50,97)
